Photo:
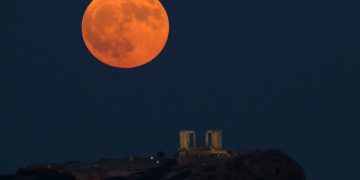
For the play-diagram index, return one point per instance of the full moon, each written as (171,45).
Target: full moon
(125,33)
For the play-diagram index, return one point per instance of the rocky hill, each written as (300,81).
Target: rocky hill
(254,165)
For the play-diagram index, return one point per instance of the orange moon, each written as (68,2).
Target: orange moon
(125,33)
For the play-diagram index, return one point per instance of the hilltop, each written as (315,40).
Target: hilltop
(249,165)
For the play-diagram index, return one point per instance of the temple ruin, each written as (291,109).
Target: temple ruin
(216,140)
(213,144)
(186,142)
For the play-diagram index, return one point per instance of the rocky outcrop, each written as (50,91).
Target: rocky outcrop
(257,165)
(272,165)
(254,165)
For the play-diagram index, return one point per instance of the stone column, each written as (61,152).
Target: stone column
(216,140)
(184,140)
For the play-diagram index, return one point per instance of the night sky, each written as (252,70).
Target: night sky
(269,73)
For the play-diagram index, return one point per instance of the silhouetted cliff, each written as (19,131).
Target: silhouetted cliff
(254,165)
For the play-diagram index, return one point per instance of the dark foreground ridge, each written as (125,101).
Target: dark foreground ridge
(251,165)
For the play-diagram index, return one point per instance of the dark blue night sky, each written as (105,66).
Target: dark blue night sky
(270,73)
